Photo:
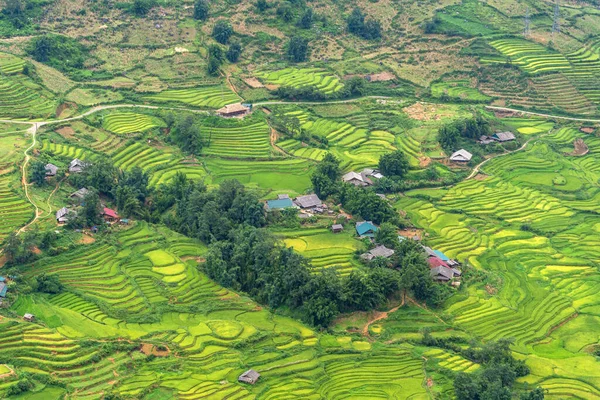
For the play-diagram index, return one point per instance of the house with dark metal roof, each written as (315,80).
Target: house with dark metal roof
(3,289)
(356,179)
(504,136)
(366,229)
(308,201)
(441,274)
(28,317)
(76,166)
(79,194)
(51,169)
(250,376)
(379,251)
(64,214)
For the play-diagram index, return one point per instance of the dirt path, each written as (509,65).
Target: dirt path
(24,182)
(478,166)
(541,115)
(378,316)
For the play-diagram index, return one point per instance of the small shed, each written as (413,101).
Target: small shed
(337,228)
(461,156)
(366,229)
(124,221)
(250,376)
(28,317)
(51,169)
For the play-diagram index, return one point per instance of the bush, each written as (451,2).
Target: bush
(298,50)
(60,52)
(234,52)
(201,10)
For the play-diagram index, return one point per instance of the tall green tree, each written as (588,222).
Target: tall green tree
(298,49)
(201,10)
(38,172)
(222,31)
(394,164)
(234,52)
(307,19)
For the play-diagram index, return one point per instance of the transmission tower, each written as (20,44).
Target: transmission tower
(527,30)
(556,23)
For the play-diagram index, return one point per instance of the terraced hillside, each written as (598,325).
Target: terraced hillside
(323,80)
(208,97)
(143,274)
(523,224)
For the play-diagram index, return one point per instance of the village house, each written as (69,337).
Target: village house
(504,136)
(76,166)
(366,229)
(363,178)
(79,195)
(485,140)
(441,274)
(379,251)
(283,201)
(356,179)
(64,214)
(29,317)
(337,228)
(250,376)
(461,155)
(3,289)
(233,110)
(307,202)
(109,215)
(51,170)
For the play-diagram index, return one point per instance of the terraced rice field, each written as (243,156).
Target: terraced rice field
(356,147)
(532,57)
(325,249)
(14,210)
(207,97)
(128,122)
(21,98)
(243,141)
(325,81)
(10,64)
(291,358)
(460,90)
(548,293)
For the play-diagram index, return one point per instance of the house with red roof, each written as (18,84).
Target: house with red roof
(109,215)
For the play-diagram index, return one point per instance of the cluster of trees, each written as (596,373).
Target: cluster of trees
(222,31)
(19,12)
(47,284)
(128,189)
(361,202)
(19,249)
(497,375)
(298,49)
(355,86)
(369,29)
(394,164)
(37,173)
(142,7)
(450,135)
(184,131)
(60,52)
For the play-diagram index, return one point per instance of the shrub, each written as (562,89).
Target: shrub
(222,31)
(298,50)
(201,10)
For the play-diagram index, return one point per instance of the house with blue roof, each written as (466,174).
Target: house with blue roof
(366,229)
(282,201)
(2,279)
(441,255)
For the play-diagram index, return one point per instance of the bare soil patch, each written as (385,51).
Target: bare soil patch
(480,177)
(425,112)
(85,239)
(587,129)
(253,83)
(66,132)
(580,148)
(149,348)
(411,233)
(381,77)
(270,86)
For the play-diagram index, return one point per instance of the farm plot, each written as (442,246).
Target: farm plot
(532,57)
(322,79)
(460,90)
(14,210)
(324,249)
(22,98)
(239,141)
(290,357)
(356,147)
(540,240)
(208,97)
(128,122)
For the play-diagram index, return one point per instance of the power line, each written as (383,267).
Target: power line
(527,30)
(556,23)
